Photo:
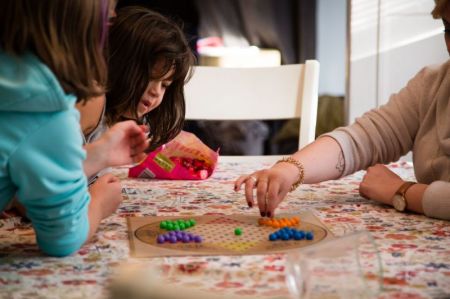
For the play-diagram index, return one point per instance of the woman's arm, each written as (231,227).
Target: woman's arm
(322,160)
(380,184)
(414,196)
(379,136)
(433,200)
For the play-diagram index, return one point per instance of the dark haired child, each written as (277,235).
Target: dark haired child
(149,62)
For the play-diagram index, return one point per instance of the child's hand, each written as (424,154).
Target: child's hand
(106,195)
(126,142)
(123,144)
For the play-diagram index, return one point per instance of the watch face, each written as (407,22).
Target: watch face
(399,203)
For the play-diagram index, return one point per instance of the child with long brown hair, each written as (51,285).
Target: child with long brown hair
(149,62)
(51,56)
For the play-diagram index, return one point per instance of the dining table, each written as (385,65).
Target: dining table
(414,249)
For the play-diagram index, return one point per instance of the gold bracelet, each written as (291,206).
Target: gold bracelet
(301,171)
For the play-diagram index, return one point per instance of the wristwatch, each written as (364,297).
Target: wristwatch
(399,200)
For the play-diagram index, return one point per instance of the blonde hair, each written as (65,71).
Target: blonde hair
(441,6)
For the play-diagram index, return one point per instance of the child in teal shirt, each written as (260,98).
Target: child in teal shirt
(47,63)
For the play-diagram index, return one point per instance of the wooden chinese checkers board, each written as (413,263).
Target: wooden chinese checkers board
(219,238)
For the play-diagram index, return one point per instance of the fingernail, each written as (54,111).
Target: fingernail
(263,214)
(269,214)
(250,204)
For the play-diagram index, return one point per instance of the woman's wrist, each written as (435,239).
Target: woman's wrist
(300,171)
(414,197)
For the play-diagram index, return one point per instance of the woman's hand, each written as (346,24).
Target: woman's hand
(380,184)
(322,160)
(271,185)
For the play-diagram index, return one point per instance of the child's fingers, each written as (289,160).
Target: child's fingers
(133,129)
(137,134)
(145,128)
(138,151)
(138,158)
(138,142)
(139,145)
(137,137)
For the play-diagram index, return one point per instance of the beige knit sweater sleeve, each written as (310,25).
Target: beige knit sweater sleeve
(418,119)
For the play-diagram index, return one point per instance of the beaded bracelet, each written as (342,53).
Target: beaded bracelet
(301,171)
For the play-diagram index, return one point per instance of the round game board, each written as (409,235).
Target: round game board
(219,237)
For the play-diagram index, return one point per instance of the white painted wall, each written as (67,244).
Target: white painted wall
(381,64)
(331,45)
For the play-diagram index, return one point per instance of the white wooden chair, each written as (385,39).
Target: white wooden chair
(263,93)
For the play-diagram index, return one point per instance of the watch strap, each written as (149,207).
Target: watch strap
(404,187)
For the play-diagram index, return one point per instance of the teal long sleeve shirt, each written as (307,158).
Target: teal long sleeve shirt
(41,154)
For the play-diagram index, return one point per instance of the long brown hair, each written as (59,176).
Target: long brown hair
(66,35)
(439,8)
(140,40)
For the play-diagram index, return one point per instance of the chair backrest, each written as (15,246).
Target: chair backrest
(263,93)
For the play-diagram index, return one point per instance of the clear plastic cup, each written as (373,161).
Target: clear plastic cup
(346,267)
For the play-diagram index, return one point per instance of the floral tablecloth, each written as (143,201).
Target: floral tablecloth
(415,250)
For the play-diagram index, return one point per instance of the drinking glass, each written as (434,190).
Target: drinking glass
(345,267)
